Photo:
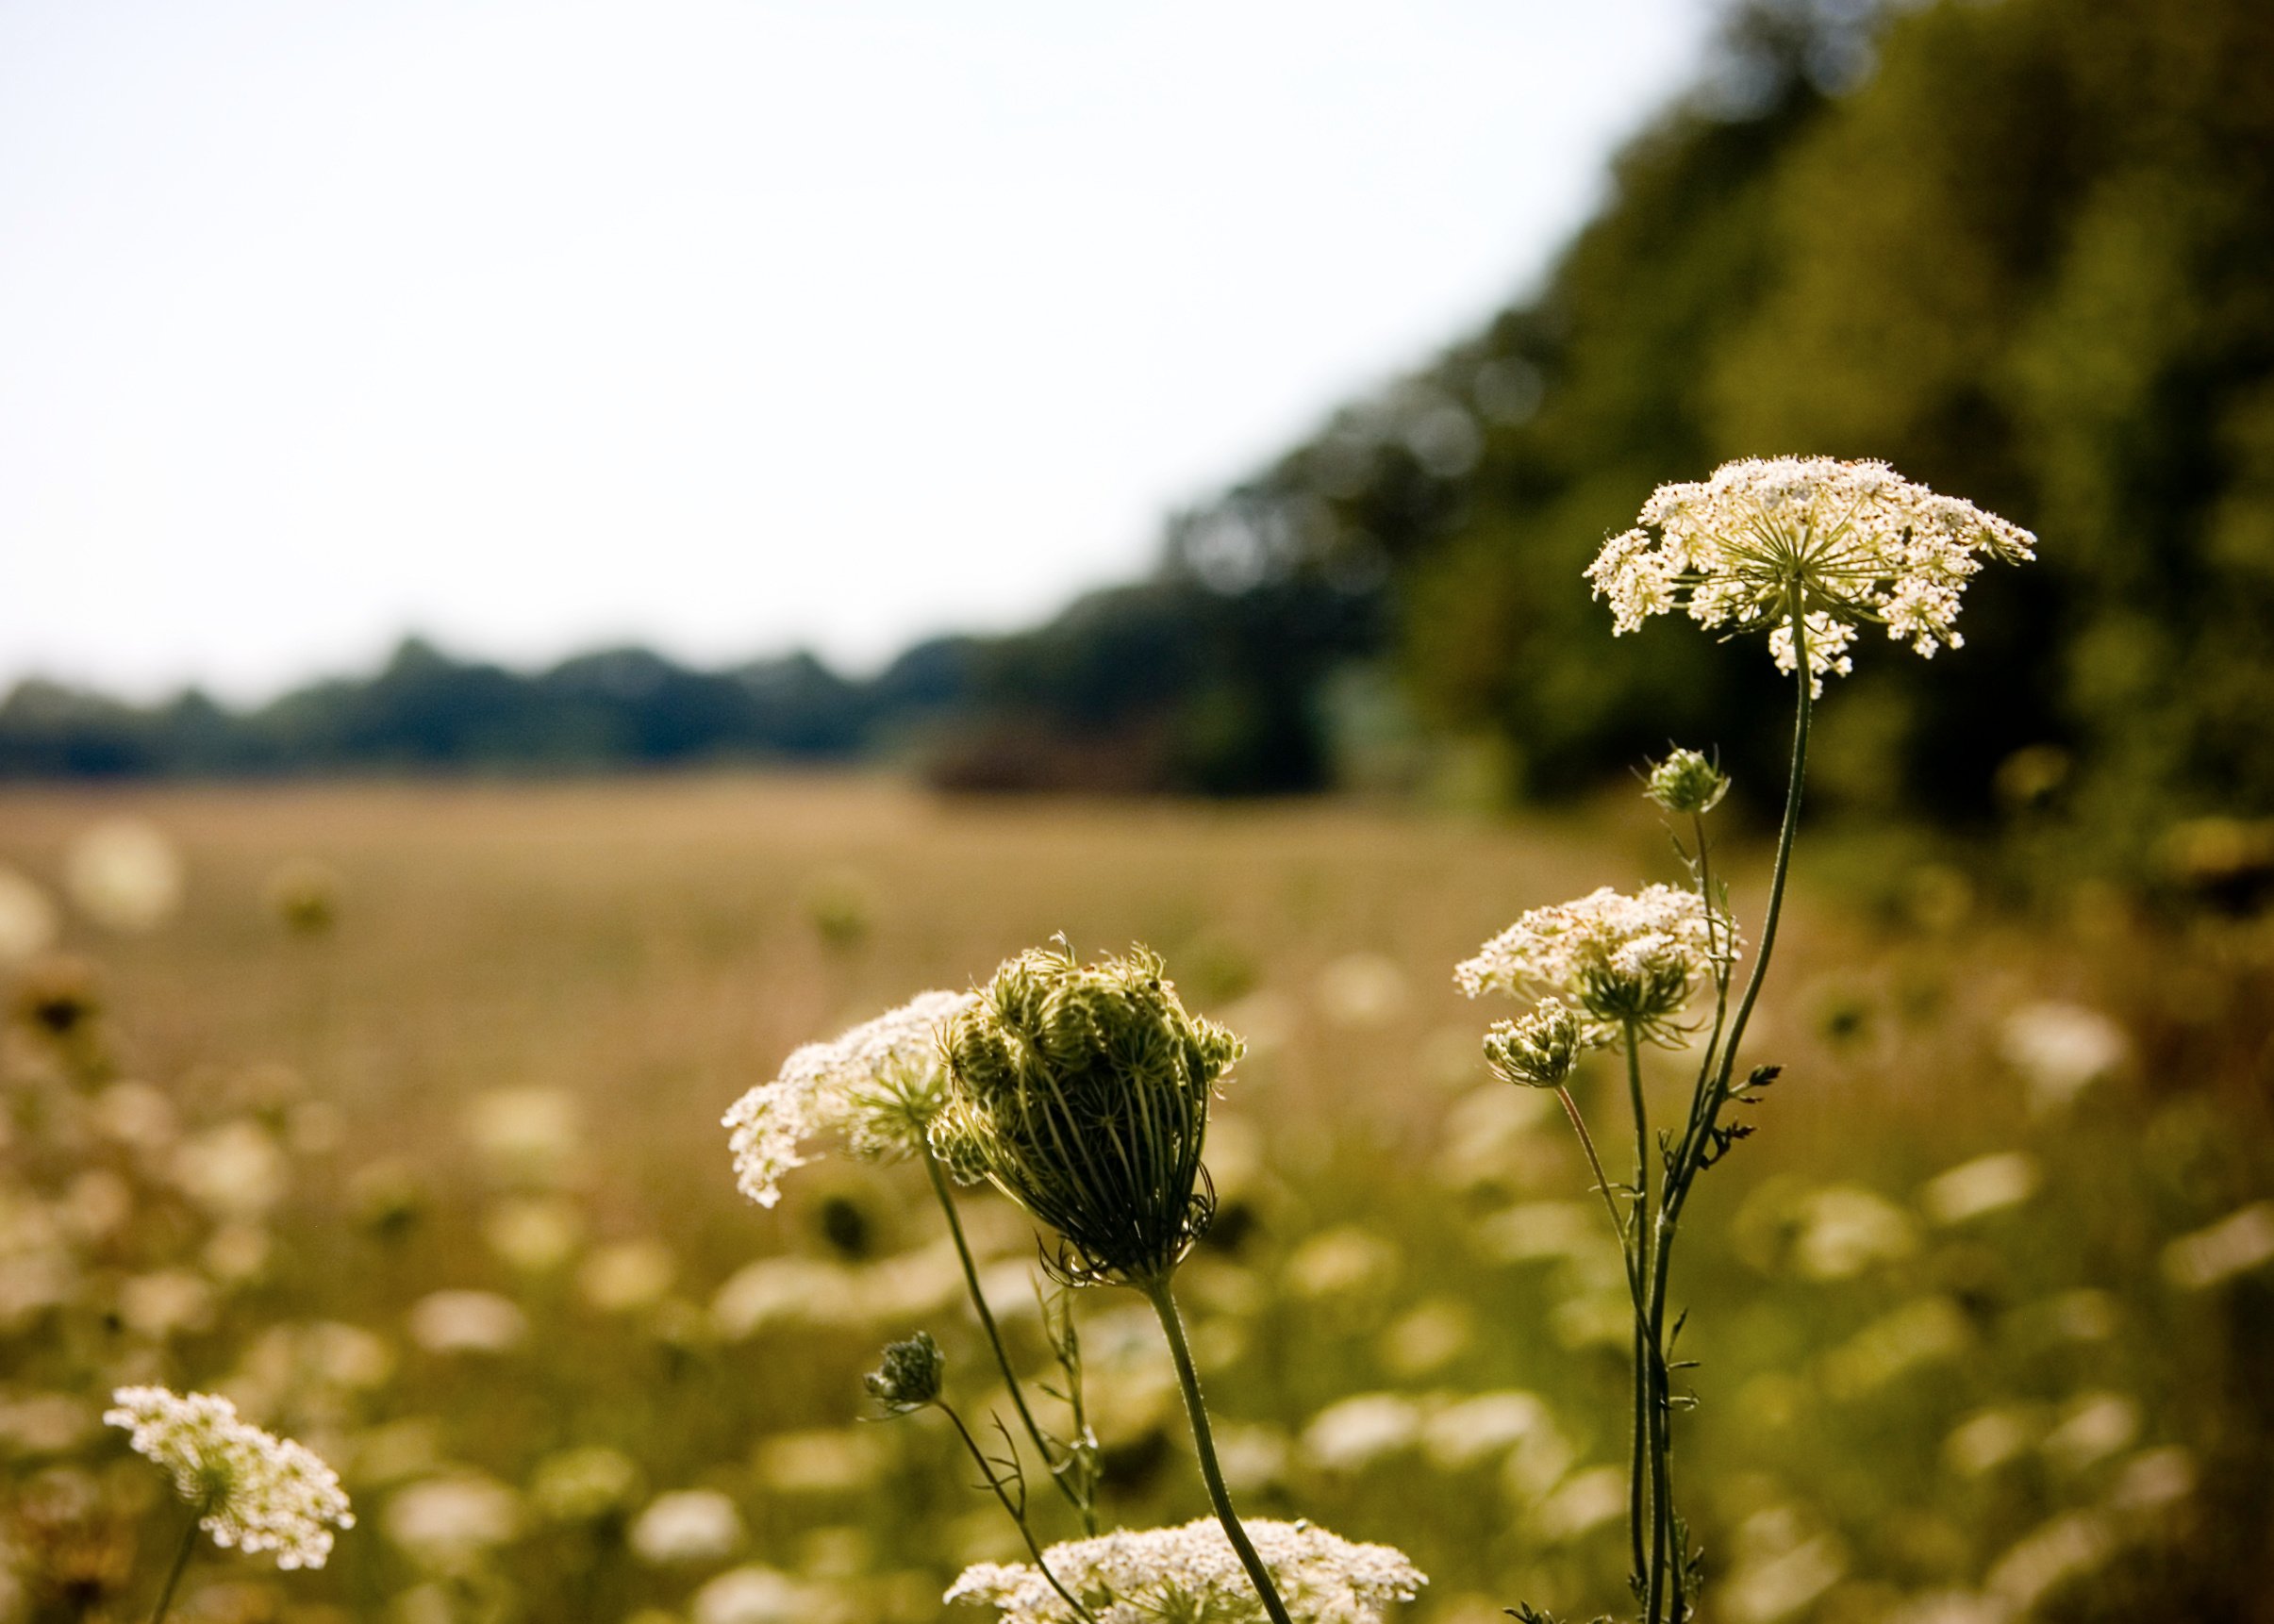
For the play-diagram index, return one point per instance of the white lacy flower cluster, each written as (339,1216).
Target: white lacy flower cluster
(1557,951)
(260,1493)
(1192,1572)
(1614,956)
(1843,542)
(873,1084)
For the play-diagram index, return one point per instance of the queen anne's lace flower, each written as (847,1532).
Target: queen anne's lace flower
(1838,542)
(878,1084)
(258,1492)
(1192,1573)
(1616,956)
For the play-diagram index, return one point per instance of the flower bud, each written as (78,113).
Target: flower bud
(1082,1093)
(1537,1051)
(1686,783)
(910,1376)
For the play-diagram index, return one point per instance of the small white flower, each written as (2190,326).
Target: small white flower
(1837,543)
(467,1322)
(876,1085)
(124,875)
(2237,1244)
(1192,1572)
(1616,956)
(451,1523)
(254,1491)
(753,1595)
(27,919)
(2061,1047)
(1352,1434)
(687,1525)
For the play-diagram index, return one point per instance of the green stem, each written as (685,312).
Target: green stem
(1687,1169)
(1634,1289)
(1172,1325)
(181,1561)
(1642,1458)
(1681,1177)
(1017,1511)
(1075,1498)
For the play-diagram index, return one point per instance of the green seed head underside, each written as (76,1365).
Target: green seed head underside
(1081,1092)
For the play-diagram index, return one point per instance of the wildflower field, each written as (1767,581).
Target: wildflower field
(394,1114)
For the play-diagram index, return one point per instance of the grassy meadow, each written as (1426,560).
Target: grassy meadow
(403,1129)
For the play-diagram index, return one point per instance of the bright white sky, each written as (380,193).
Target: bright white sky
(727,325)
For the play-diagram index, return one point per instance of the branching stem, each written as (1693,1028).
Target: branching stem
(1079,1497)
(1015,1507)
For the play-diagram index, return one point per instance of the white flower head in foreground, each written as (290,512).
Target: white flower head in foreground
(878,1085)
(1619,959)
(256,1492)
(1839,543)
(1192,1573)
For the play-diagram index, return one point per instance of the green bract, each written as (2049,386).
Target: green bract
(1685,781)
(1539,1050)
(910,1377)
(1082,1093)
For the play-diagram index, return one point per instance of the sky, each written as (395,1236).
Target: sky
(726,326)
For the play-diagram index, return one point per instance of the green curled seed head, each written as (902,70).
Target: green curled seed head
(1081,1092)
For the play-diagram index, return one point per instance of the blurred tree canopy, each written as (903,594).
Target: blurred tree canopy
(2021,249)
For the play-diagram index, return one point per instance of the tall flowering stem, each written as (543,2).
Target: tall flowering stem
(1805,550)
(1081,1092)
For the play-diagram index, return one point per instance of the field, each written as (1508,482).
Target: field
(403,1130)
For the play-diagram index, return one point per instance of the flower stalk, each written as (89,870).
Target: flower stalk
(180,1563)
(1157,1292)
(1068,1467)
(1804,550)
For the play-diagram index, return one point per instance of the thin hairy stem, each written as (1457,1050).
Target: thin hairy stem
(1017,1511)
(181,1561)
(1603,1185)
(1687,1170)
(1705,1112)
(1075,1497)
(1172,1325)
(1642,1487)
(1634,1293)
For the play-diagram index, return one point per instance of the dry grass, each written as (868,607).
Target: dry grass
(651,948)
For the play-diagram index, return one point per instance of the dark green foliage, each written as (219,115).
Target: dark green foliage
(2025,262)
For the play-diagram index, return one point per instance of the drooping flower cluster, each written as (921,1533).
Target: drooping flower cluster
(1839,543)
(1539,1050)
(1192,1573)
(878,1085)
(1081,1092)
(1620,958)
(256,1492)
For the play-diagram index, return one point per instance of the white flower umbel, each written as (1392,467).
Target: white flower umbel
(1618,957)
(1192,1572)
(256,1492)
(1842,543)
(878,1085)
